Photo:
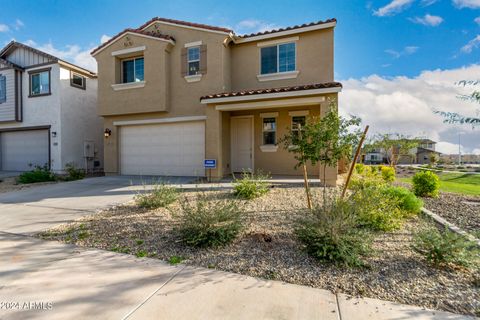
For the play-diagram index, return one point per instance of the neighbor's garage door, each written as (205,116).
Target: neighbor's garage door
(21,150)
(173,149)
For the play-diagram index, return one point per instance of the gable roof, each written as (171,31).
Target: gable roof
(301,26)
(186,24)
(157,35)
(10,64)
(12,45)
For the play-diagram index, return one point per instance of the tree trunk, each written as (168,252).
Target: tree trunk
(307,188)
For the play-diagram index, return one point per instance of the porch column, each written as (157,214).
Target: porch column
(213,140)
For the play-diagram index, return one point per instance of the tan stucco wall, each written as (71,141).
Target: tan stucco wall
(314,62)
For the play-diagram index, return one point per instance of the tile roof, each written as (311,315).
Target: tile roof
(118,35)
(305,25)
(324,85)
(185,23)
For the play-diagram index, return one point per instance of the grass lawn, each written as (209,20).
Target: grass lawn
(457,183)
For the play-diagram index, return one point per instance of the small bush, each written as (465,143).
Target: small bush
(406,200)
(445,248)
(376,210)
(205,223)
(388,173)
(38,174)
(331,234)
(426,184)
(74,173)
(359,168)
(251,185)
(160,196)
(173,260)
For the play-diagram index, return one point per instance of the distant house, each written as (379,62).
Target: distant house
(376,156)
(422,154)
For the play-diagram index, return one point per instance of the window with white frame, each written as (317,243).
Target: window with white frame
(133,70)
(269,130)
(298,122)
(77,81)
(278,58)
(193,60)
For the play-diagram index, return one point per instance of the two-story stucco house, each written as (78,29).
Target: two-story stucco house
(47,112)
(173,93)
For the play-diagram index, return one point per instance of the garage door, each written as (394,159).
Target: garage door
(21,150)
(173,149)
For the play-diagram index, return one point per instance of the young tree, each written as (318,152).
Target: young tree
(456,118)
(394,146)
(323,140)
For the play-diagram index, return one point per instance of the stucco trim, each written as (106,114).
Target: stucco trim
(277,41)
(269,115)
(269,148)
(160,120)
(184,26)
(193,44)
(300,113)
(284,103)
(263,96)
(285,33)
(278,76)
(193,78)
(94,53)
(128,85)
(129,50)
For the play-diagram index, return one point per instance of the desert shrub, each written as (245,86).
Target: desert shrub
(446,248)
(359,168)
(160,196)
(331,234)
(376,210)
(426,184)
(204,223)
(251,185)
(73,172)
(38,174)
(388,173)
(406,200)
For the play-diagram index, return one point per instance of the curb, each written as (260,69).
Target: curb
(450,226)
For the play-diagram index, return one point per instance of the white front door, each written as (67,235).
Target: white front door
(242,144)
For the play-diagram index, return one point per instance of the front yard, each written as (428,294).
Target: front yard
(462,183)
(269,248)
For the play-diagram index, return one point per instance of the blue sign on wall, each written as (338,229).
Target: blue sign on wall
(210,163)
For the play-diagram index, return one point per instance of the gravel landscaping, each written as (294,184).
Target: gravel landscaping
(10,184)
(268,249)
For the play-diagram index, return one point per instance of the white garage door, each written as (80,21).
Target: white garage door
(170,149)
(21,150)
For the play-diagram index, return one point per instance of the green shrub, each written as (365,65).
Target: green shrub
(388,173)
(331,234)
(160,196)
(376,210)
(426,184)
(445,248)
(251,185)
(74,173)
(406,200)
(359,168)
(38,174)
(205,223)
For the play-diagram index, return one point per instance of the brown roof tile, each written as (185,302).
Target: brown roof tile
(118,35)
(288,28)
(324,85)
(185,23)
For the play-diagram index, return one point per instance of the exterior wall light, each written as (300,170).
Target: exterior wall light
(107,133)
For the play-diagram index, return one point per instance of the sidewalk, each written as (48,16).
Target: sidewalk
(69,282)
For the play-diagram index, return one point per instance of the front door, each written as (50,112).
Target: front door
(242,144)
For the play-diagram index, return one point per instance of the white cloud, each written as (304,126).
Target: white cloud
(392,8)
(104,38)
(476,151)
(4,28)
(472,44)
(405,105)
(71,53)
(253,26)
(427,3)
(472,4)
(405,52)
(18,24)
(477,20)
(428,20)
(448,147)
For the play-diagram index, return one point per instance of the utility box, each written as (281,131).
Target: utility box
(89,149)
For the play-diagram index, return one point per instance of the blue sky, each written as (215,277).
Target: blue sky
(398,59)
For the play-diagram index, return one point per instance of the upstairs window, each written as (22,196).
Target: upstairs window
(78,81)
(39,83)
(3,89)
(269,131)
(132,70)
(193,61)
(278,58)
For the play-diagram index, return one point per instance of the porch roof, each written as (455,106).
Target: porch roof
(271,93)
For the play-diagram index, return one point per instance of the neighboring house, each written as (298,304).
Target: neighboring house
(421,154)
(376,156)
(464,158)
(173,93)
(47,112)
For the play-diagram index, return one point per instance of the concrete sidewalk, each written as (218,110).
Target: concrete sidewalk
(66,282)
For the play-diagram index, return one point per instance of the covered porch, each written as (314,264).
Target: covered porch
(244,129)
